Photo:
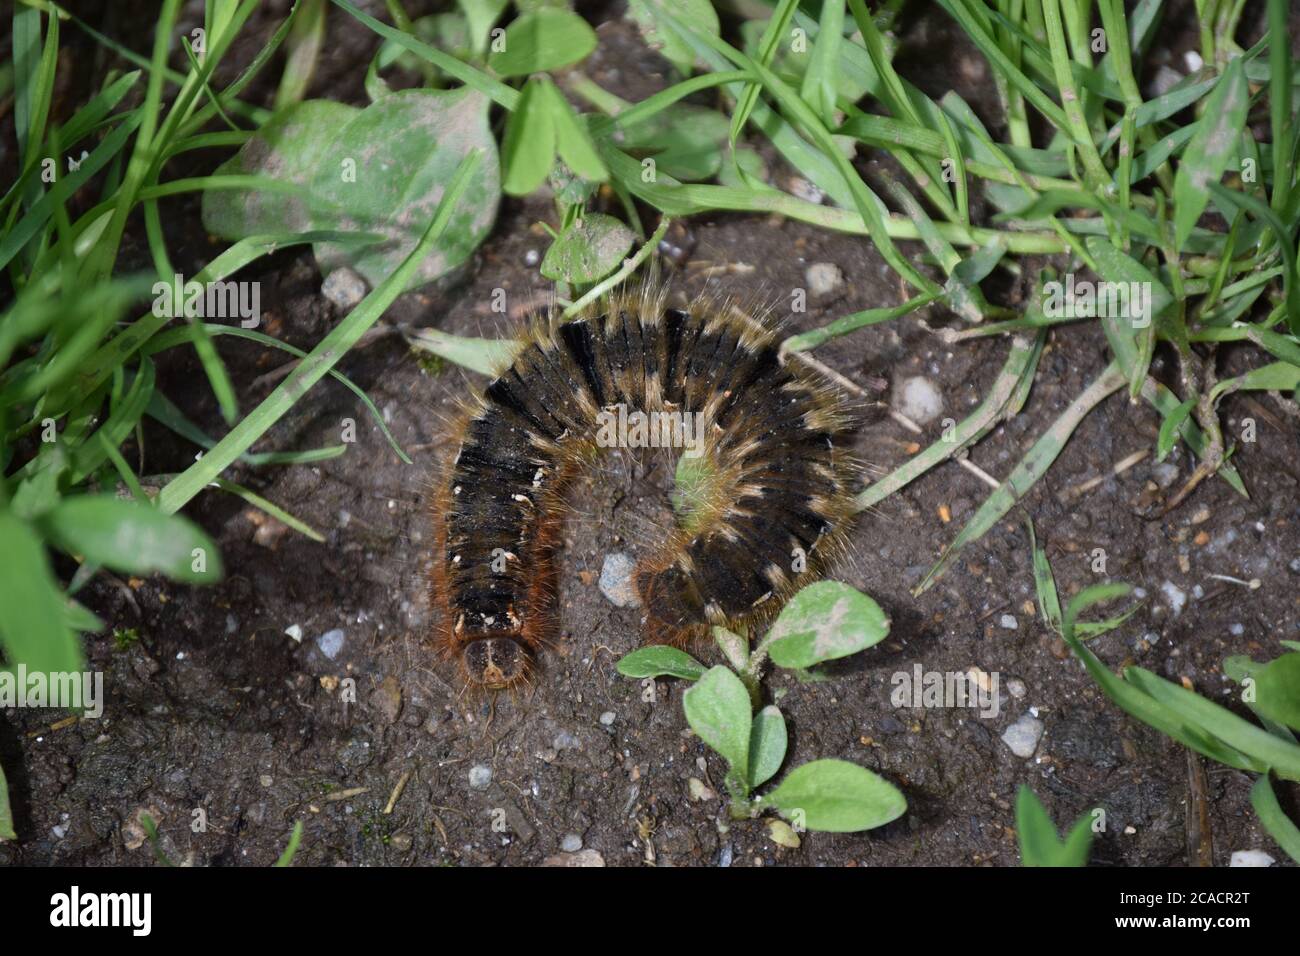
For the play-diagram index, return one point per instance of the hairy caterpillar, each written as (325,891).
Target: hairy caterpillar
(777,501)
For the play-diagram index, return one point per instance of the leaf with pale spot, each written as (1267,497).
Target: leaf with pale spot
(825,621)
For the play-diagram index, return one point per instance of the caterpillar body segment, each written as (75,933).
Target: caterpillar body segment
(773,511)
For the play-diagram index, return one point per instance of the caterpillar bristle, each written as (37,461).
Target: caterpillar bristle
(770,514)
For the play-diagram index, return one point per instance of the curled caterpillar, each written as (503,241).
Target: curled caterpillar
(773,514)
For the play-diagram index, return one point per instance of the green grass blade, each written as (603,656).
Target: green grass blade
(97,367)
(497,91)
(1210,148)
(1274,818)
(1018,369)
(322,358)
(174,337)
(295,838)
(33,628)
(272,509)
(1032,467)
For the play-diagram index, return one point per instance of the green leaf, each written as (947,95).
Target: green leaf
(33,623)
(132,537)
(1211,146)
(327,352)
(1170,426)
(718,710)
(486,356)
(39,491)
(1262,746)
(660,660)
(380,170)
(1273,377)
(588,250)
(481,15)
(407,147)
(288,147)
(1277,690)
(1039,845)
(1135,700)
(1262,798)
(767,744)
(572,141)
(541,40)
(825,621)
(1049,599)
(6,813)
(528,150)
(836,796)
(670,43)
(685,140)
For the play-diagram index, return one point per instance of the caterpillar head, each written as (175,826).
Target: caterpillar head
(674,610)
(495,661)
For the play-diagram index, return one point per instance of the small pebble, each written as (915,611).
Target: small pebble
(1008,622)
(616,580)
(1022,737)
(1250,858)
(1175,595)
(783,834)
(344,288)
(330,643)
(581,858)
(532,257)
(805,190)
(823,278)
(608,718)
(1016,688)
(480,775)
(919,399)
(571,843)
(699,790)
(294,631)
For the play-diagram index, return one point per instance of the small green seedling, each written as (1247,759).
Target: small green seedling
(823,622)
(1039,845)
(1270,690)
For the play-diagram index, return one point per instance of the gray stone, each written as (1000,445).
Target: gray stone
(344,288)
(330,643)
(919,399)
(823,278)
(616,580)
(1022,737)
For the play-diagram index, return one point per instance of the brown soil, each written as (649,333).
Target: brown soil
(215,707)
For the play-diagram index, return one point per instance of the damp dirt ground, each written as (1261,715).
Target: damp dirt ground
(214,708)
